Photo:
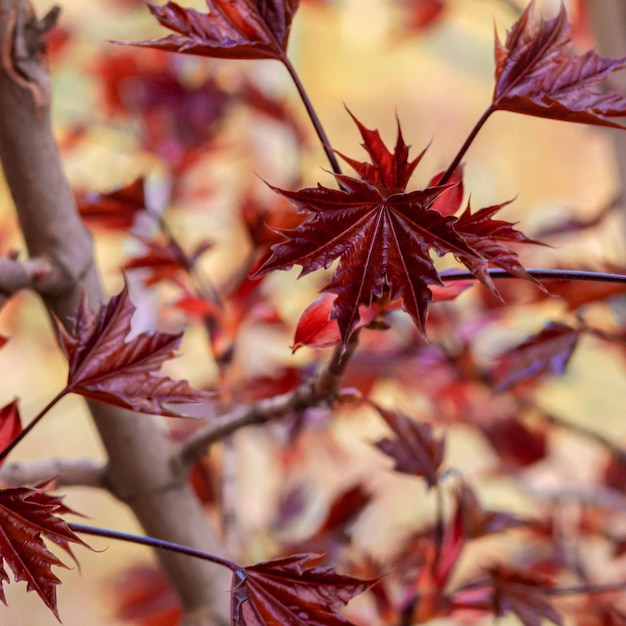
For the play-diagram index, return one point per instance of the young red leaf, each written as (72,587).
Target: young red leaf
(381,234)
(116,209)
(106,366)
(449,202)
(292,591)
(415,449)
(232,29)
(515,443)
(27,516)
(10,424)
(537,74)
(547,352)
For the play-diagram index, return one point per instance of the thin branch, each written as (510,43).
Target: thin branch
(542,274)
(320,390)
(465,147)
(69,473)
(23,433)
(153,543)
(315,120)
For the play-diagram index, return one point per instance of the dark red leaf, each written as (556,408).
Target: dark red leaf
(547,352)
(538,74)
(344,509)
(381,234)
(522,594)
(176,118)
(27,516)
(115,209)
(105,366)
(292,591)
(10,424)
(232,29)
(487,236)
(3,340)
(515,443)
(415,449)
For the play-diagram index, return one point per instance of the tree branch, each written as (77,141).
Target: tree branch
(69,473)
(138,469)
(30,273)
(320,390)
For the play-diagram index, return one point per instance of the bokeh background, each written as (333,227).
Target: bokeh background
(360,54)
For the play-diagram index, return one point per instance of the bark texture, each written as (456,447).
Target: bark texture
(139,471)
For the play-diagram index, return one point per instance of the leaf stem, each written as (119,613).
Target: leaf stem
(465,147)
(315,120)
(542,274)
(153,543)
(9,447)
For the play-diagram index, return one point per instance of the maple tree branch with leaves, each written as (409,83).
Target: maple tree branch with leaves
(381,238)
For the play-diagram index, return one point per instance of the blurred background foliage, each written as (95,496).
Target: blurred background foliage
(206,134)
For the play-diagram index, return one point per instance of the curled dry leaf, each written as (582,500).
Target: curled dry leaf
(538,74)
(231,29)
(294,591)
(105,365)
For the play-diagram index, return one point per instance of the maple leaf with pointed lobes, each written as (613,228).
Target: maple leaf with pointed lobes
(487,236)
(292,591)
(381,234)
(232,29)
(537,74)
(27,515)
(105,366)
(415,449)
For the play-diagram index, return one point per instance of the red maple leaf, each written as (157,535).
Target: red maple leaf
(537,74)
(415,449)
(292,591)
(547,352)
(10,424)
(27,515)
(487,237)
(115,209)
(232,29)
(381,233)
(106,366)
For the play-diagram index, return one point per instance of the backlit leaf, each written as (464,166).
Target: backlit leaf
(547,352)
(292,591)
(538,74)
(232,29)
(381,234)
(105,365)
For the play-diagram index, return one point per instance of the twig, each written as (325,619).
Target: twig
(320,390)
(542,274)
(70,473)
